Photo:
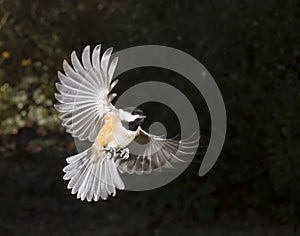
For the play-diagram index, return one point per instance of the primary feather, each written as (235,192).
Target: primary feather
(83,92)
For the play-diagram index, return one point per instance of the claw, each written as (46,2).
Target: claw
(111,151)
(124,153)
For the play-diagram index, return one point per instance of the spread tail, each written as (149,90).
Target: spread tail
(91,176)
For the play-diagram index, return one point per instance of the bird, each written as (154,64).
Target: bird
(118,142)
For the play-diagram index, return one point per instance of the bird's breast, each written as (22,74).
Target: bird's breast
(113,134)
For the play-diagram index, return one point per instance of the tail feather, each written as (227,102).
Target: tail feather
(92,177)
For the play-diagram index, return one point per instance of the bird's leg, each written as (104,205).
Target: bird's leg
(111,151)
(124,153)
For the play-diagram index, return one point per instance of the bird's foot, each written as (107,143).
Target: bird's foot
(111,151)
(124,153)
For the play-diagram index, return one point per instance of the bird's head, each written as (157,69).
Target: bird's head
(138,117)
(131,117)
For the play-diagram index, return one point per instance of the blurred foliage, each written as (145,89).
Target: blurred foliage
(250,48)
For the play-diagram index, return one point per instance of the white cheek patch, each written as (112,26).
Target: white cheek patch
(126,116)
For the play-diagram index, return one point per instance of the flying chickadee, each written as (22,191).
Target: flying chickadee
(84,96)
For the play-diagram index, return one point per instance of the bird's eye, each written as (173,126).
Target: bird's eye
(137,111)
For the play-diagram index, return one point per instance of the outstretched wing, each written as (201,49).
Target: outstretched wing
(149,152)
(84,92)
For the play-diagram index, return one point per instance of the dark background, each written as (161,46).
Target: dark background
(251,48)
